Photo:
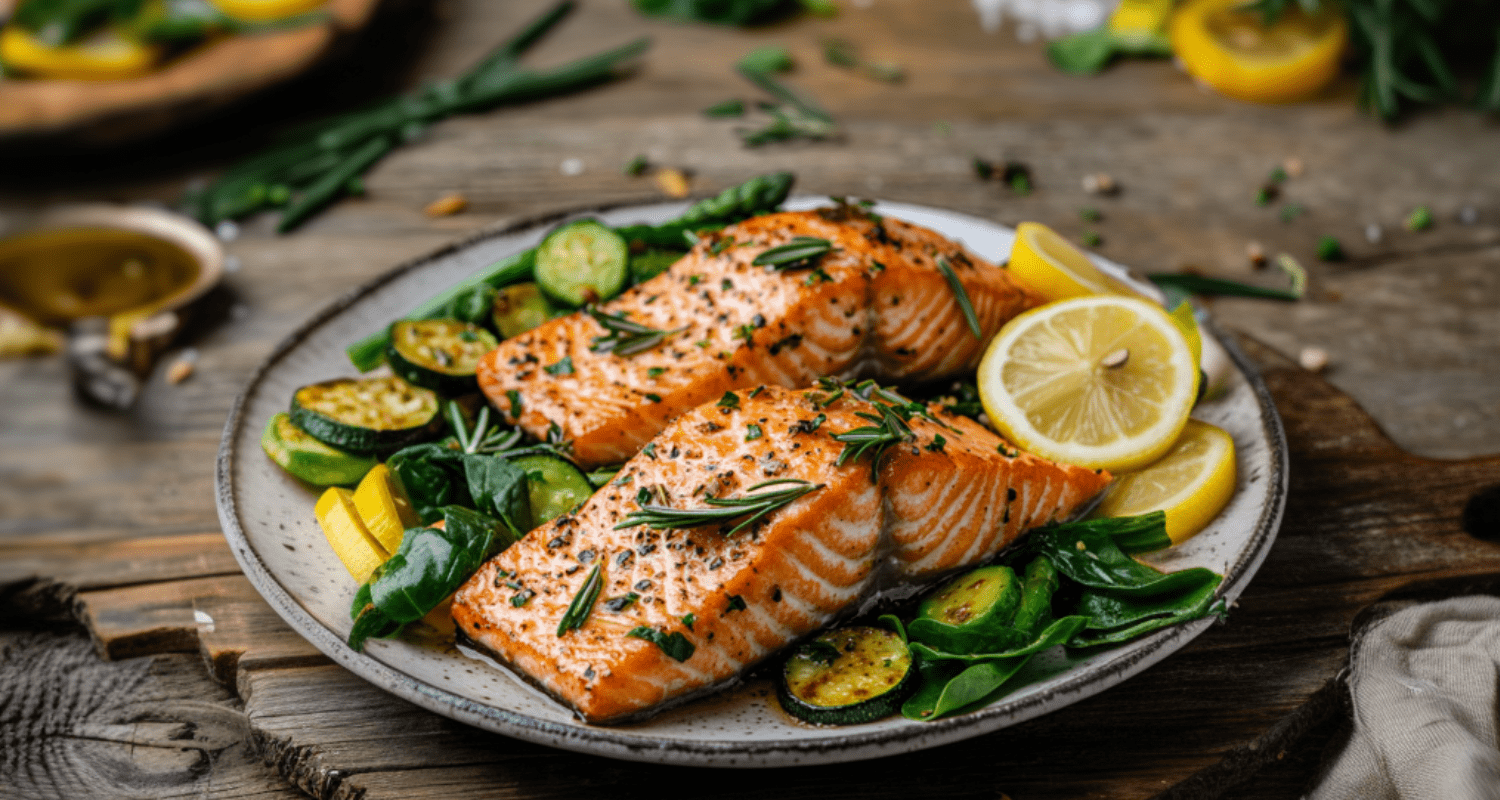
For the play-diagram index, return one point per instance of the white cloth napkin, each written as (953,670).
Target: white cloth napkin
(1424,684)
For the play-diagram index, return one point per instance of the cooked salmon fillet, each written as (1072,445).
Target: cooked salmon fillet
(952,495)
(876,306)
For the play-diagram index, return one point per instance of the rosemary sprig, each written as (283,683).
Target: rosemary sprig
(482,438)
(800,252)
(722,509)
(888,429)
(583,602)
(625,338)
(963,296)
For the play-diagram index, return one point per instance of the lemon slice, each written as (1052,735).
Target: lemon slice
(266,10)
(1192,483)
(1234,53)
(1104,381)
(1048,263)
(106,55)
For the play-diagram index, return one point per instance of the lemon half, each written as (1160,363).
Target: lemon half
(1104,381)
(1191,483)
(1230,49)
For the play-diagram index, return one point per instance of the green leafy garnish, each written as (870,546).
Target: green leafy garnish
(959,292)
(800,252)
(563,367)
(583,602)
(674,644)
(721,509)
(625,338)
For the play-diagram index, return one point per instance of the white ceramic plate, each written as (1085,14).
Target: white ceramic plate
(267,517)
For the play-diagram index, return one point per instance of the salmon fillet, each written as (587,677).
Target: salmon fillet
(952,495)
(876,306)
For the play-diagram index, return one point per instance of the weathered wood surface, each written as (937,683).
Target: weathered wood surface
(110,518)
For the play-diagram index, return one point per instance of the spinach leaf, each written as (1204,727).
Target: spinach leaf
(433,476)
(499,489)
(952,683)
(1091,51)
(430,564)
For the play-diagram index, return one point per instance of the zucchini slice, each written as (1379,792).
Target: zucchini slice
(972,613)
(309,459)
(367,415)
(556,486)
(439,354)
(520,308)
(847,676)
(582,262)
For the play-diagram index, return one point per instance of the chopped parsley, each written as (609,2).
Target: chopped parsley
(753,432)
(729,400)
(563,367)
(655,372)
(674,644)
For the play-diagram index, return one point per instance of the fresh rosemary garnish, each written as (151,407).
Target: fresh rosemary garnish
(800,252)
(963,296)
(481,438)
(888,429)
(583,602)
(722,509)
(625,338)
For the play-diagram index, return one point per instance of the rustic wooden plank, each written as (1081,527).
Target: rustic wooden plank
(149,618)
(152,727)
(235,630)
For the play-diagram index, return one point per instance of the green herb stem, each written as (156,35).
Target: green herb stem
(583,602)
(722,509)
(962,295)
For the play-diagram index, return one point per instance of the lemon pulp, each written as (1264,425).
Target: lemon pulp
(1103,381)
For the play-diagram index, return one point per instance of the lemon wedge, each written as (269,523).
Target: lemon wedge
(1191,483)
(1050,264)
(266,10)
(106,55)
(1233,52)
(1103,381)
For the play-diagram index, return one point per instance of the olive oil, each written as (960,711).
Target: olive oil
(57,276)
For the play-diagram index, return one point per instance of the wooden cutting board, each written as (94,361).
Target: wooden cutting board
(207,77)
(1245,711)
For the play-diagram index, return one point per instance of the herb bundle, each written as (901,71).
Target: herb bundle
(311,168)
(793,116)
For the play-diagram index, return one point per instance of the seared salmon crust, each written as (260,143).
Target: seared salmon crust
(878,305)
(950,497)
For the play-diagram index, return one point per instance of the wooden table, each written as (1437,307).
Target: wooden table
(136,660)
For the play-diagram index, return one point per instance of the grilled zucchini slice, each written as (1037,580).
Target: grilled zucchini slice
(520,308)
(367,415)
(972,613)
(582,262)
(439,354)
(555,485)
(309,459)
(847,676)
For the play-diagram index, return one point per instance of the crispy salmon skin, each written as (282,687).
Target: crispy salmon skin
(948,497)
(877,306)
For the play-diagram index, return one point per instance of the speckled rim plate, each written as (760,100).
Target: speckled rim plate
(267,518)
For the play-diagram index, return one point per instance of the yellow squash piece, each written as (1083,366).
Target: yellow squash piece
(383,507)
(351,542)
(1191,483)
(266,10)
(103,56)
(1233,52)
